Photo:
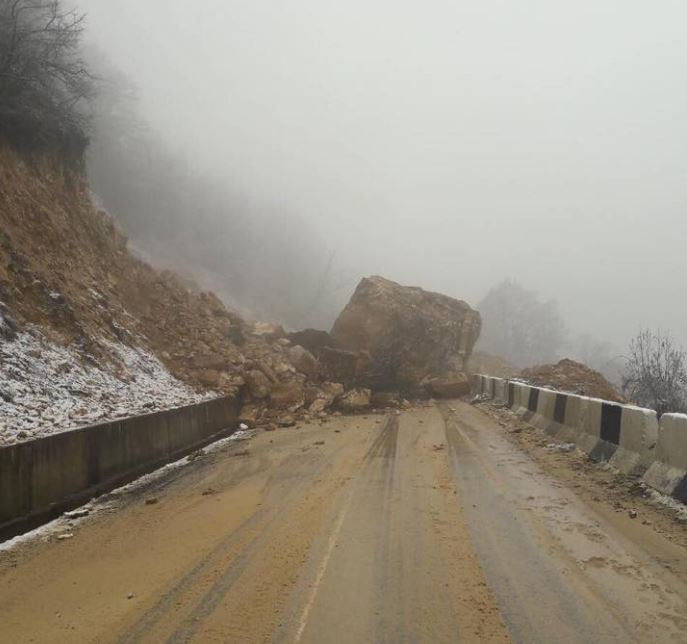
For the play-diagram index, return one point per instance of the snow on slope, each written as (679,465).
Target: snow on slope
(46,388)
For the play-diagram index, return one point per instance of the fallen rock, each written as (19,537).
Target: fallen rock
(326,396)
(287,395)
(409,333)
(355,400)
(258,384)
(384,399)
(249,415)
(209,377)
(317,406)
(268,331)
(347,367)
(450,386)
(304,361)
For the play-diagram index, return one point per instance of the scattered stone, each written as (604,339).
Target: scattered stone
(208,492)
(286,421)
(151,501)
(270,427)
(64,536)
(129,595)
(318,443)
(632,514)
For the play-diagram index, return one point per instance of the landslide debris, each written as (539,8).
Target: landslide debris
(68,278)
(402,337)
(574,377)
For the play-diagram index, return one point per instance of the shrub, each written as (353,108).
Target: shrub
(44,85)
(656,373)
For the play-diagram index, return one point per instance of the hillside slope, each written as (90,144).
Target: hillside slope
(69,284)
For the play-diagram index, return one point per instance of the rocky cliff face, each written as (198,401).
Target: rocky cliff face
(411,334)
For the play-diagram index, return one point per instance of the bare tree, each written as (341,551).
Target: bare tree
(656,373)
(44,85)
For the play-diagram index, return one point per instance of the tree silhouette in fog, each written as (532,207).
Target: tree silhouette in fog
(519,327)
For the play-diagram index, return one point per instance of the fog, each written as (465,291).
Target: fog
(443,144)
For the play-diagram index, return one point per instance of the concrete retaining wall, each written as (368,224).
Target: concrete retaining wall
(629,438)
(41,478)
(668,472)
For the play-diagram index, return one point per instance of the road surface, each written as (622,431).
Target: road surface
(428,526)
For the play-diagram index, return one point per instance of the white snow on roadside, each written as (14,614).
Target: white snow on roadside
(46,388)
(66,523)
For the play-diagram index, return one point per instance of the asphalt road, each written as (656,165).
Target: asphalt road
(429,526)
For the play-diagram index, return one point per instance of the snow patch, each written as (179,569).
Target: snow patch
(46,388)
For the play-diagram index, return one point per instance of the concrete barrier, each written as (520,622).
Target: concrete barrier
(668,472)
(521,399)
(627,437)
(637,440)
(542,408)
(42,478)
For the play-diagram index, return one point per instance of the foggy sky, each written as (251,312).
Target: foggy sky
(445,144)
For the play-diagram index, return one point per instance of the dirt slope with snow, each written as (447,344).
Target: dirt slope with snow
(90,332)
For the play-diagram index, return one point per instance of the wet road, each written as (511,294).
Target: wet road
(429,526)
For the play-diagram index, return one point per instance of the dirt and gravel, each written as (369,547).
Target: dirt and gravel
(573,377)
(441,523)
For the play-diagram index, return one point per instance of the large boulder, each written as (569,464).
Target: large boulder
(410,334)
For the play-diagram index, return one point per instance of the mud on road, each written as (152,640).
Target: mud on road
(431,526)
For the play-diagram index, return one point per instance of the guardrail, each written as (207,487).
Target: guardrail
(631,439)
(41,478)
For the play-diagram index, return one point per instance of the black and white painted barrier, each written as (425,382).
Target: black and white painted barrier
(629,438)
